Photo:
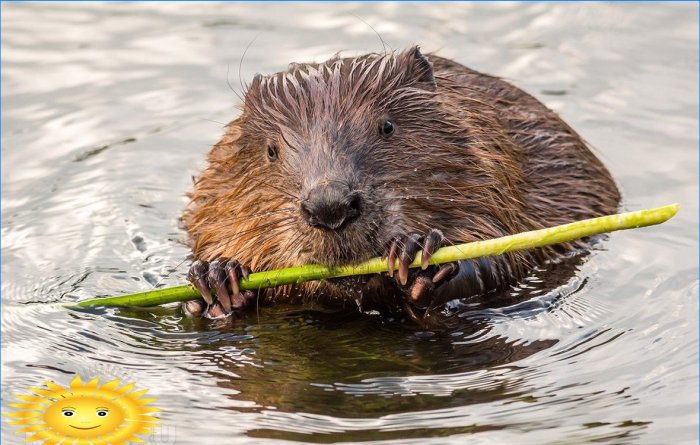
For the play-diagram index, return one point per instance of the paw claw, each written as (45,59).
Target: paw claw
(420,286)
(211,279)
(424,259)
(215,312)
(445,271)
(198,277)
(410,247)
(403,249)
(403,273)
(391,258)
(232,268)
(194,308)
(421,290)
(217,281)
(433,241)
(203,287)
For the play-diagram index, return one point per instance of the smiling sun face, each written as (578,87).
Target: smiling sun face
(84,416)
(106,414)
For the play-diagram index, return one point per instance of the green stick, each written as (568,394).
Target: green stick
(511,243)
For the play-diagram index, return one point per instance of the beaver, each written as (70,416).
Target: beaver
(384,154)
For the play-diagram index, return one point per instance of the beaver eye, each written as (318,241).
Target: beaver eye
(388,128)
(272,152)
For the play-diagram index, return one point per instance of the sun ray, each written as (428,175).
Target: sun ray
(138,394)
(25,406)
(42,392)
(92,384)
(126,388)
(32,428)
(145,401)
(24,421)
(54,386)
(110,386)
(36,437)
(23,414)
(35,399)
(76,383)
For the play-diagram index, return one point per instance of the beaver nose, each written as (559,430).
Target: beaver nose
(330,207)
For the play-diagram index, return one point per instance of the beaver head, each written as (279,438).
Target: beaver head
(329,161)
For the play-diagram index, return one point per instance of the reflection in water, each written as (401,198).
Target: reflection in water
(108,109)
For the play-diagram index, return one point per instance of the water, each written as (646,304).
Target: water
(108,109)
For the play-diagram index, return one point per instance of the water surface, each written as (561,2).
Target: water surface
(109,109)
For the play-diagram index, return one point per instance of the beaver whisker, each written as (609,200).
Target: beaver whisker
(291,195)
(296,240)
(264,214)
(427,197)
(240,62)
(263,240)
(263,226)
(374,232)
(230,87)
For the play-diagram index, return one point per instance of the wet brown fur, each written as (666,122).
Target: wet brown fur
(473,156)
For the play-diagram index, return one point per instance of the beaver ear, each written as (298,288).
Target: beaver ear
(254,88)
(418,68)
(233,133)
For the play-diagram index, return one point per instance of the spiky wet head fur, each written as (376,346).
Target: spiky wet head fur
(463,158)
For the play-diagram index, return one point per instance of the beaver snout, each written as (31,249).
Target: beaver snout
(330,206)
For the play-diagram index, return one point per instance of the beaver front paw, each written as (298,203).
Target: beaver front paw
(218,283)
(419,285)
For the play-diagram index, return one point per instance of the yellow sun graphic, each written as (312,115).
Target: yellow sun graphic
(85,413)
